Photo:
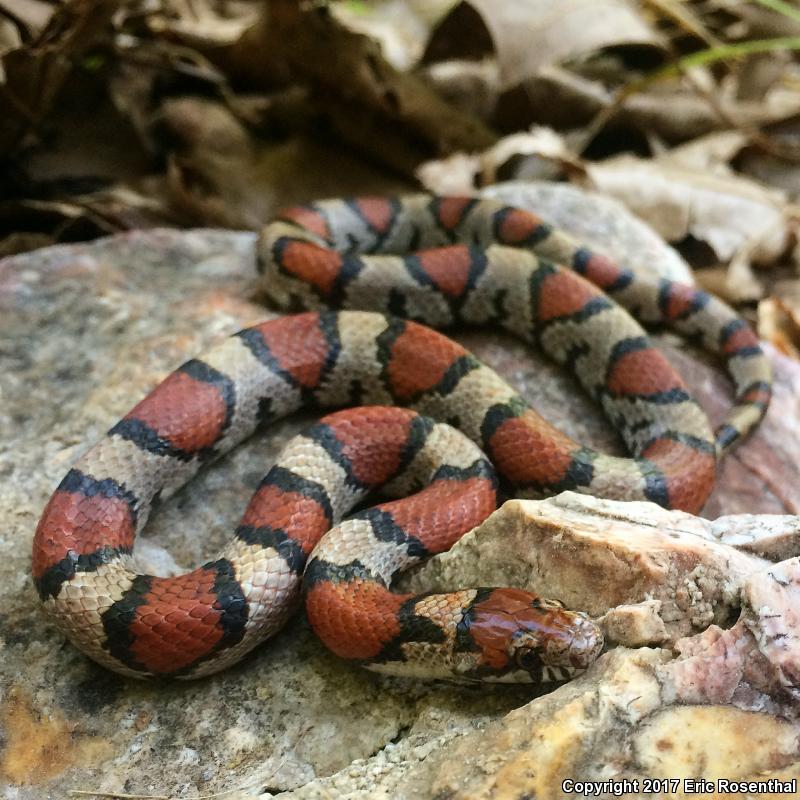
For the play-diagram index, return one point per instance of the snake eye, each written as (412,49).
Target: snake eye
(528,660)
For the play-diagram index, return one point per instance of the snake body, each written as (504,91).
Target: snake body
(427,259)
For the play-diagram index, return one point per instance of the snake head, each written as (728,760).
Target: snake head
(520,632)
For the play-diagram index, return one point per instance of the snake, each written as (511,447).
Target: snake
(364,282)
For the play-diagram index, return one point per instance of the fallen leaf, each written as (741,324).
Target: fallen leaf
(711,153)
(32,16)
(779,318)
(470,85)
(32,74)
(219,173)
(457,174)
(755,20)
(85,216)
(394,117)
(727,212)
(9,40)
(543,151)
(530,34)
(202,24)
(400,27)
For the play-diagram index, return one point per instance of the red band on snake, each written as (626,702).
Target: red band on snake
(441,261)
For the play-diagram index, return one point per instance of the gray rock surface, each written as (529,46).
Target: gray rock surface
(597,220)
(85,331)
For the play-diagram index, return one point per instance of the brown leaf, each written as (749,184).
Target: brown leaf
(400,27)
(779,318)
(31,15)
(202,24)
(473,86)
(394,117)
(530,34)
(756,21)
(84,216)
(539,153)
(727,212)
(220,174)
(34,73)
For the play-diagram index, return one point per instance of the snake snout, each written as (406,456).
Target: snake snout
(573,641)
(586,643)
(568,638)
(552,643)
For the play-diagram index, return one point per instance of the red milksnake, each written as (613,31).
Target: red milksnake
(442,261)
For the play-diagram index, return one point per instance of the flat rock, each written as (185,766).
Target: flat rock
(595,555)
(619,721)
(597,220)
(615,723)
(85,331)
(649,576)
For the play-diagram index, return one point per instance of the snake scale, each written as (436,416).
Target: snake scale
(389,265)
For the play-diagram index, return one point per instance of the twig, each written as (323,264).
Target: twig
(781,8)
(680,67)
(681,14)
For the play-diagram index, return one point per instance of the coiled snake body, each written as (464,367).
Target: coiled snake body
(438,260)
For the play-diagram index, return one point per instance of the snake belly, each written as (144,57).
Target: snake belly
(436,260)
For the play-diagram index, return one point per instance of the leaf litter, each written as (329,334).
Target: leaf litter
(199,112)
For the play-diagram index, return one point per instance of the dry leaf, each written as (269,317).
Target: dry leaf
(674,111)
(457,174)
(711,153)
(10,40)
(540,144)
(685,17)
(557,97)
(87,216)
(530,34)
(33,73)
(395,117)
(564,99)
(220,174)
(539,151)
(470,85)
(756,21)
(32,16)
(781,166)
(779,318)
(741,282)
(202,24)
(728,213)
(400,27)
